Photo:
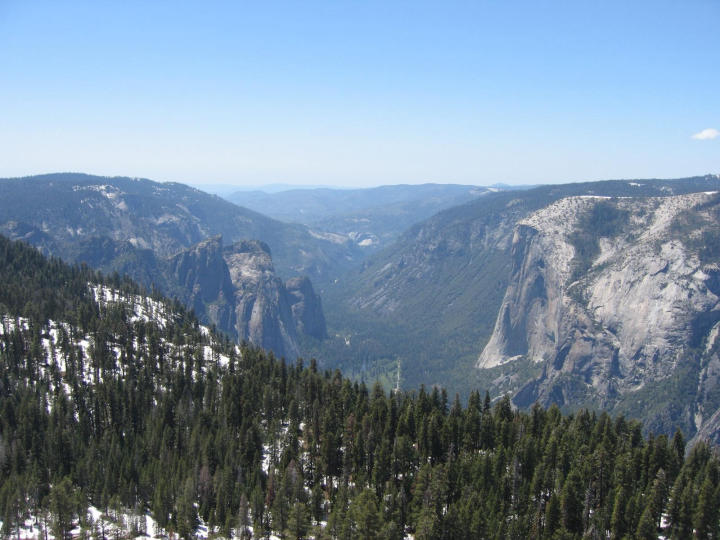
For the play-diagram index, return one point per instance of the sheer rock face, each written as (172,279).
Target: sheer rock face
(707,418)
(263,314)
(642,314)
(204,279)
(306,308)
(236,288)
(535,306)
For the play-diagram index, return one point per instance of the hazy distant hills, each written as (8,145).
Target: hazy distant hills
(371,217)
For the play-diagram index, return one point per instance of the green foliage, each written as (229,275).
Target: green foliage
(63,507)
(364,515)
(144,421)
(705,517)
(571,501)
(430,300)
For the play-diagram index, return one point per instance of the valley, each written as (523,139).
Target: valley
(511,291)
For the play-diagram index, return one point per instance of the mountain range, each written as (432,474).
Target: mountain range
(56,211)
(598,294)
(171,237)
(429,305)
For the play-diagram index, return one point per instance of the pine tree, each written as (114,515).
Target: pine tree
(280,509)
(553,516)
(427,526)
(571,503)
(298,523)
(242,526)
(364,515)
(647,529)
(62,508)
(705,517)
(162,502)
(618,521)
(11,507)
(187,517)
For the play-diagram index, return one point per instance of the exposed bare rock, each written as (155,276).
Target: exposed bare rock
(263,314)
(306,308)
(617,316)
(236,288)
(204,282)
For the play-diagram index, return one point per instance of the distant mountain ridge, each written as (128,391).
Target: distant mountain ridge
(510,278)
(370,217)
(55,211)
(170,236)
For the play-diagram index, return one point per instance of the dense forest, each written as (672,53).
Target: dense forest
(102,405)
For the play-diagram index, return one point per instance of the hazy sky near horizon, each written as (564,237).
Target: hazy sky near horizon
(361,93)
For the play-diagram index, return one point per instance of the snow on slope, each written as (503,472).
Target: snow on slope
(113,523)
(59,338)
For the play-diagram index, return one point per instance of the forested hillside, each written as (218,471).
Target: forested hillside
(121,402)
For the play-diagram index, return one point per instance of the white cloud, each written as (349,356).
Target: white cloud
(706,134)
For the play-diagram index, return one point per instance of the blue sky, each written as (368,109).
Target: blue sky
(361,93)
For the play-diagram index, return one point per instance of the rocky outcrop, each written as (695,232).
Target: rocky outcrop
(306,308)
(442,284)
(620,321)
(204,282)
(236,288)
(263,313)
(166,236)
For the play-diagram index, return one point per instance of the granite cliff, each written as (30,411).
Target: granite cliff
(236,288)
(615,302)
(203,282)
(263,314)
